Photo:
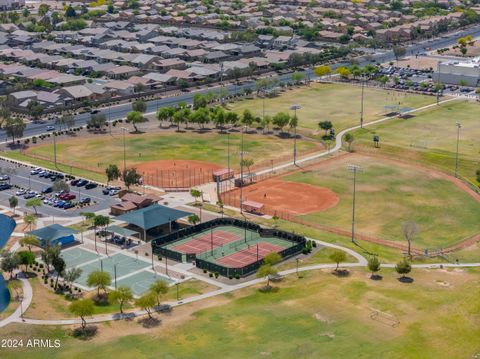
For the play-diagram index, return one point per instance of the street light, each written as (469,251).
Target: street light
(241,170)
(124,150)
(354,169)
(361,107)
(459,126)
(295,108)
(177,285)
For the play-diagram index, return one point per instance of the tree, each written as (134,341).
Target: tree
(349,139)
(134,117)
(293,122)
(34,203)
(199,101)
(14,128)
(338,257)
(272,258)
(89,217)
(373,265)
(10,262)
(59,266)
(247,162)
(265,271)
(26,258)
(112,172)
(281,120)
(97,120)
(195,193)
(60,185)
(121,295)
(165,113)
(49,254)
(72,274)
(130,177)
(43,9)
(410,230)
(29,240)
(247,118)
(403,267)
(147,302)
(399,51)
(159,288)
(323,70)
(70,12)
(139,106)
(29,220)
(200,116)
(193,219)
(100,280)
(13,203)
(82,308)
(297,77)
(35,109)
(343,72)
(325,125)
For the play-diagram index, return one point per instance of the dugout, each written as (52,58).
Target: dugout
(253,207)
(223,175)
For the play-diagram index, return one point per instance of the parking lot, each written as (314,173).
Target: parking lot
(21,179)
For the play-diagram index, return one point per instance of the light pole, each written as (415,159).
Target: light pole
(55,149)
(295,108)
(354,169)
(177,284)
(124,151)
(241,170)
(361,106)
(459,126)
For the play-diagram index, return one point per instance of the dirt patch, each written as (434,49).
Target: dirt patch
(296,198)
(177,173)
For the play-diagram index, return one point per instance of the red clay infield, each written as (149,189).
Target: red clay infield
(296,198)
(178,173)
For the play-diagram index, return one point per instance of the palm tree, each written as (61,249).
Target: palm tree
(29,220)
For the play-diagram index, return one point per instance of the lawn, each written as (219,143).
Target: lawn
(338,103)
(389,193)
(94,154)
(430,137)
(317,316)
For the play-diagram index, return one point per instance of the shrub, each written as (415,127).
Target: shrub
(210,275)
(237,276)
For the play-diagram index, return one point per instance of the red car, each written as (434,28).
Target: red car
(67,196)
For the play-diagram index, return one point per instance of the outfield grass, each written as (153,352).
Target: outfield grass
(430,137)
(98,152)
(338,103)
(389,194)
(318,316)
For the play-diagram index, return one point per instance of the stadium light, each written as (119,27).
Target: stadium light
(354,169)
(295,108)
(459,126)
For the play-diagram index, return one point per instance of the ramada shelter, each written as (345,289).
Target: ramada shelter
(153,221)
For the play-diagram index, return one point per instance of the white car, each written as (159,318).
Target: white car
(20,192)
(4,177)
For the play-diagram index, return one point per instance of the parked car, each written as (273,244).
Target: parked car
(90,185)
(67,196)
(68,205)
(5,186)
(4,177)
(35,171)
(29,195)
(81,183)
(85,200)
(20,192)
(47,190)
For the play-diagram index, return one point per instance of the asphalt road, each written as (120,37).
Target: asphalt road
(21,177)
(120,111)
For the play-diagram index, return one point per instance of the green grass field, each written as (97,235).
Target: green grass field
(98,152)
(337,103)
(430,137)
(318,316)
(389,194)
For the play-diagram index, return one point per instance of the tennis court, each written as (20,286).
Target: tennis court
(77,256)
(140,282)
(249,255)
(205,241)
(118,263)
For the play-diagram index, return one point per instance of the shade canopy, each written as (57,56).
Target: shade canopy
(122,231)
(152,216)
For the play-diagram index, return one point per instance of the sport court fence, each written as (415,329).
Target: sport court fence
(158,245)
(174,179)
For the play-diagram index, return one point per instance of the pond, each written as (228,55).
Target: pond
(7,225)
